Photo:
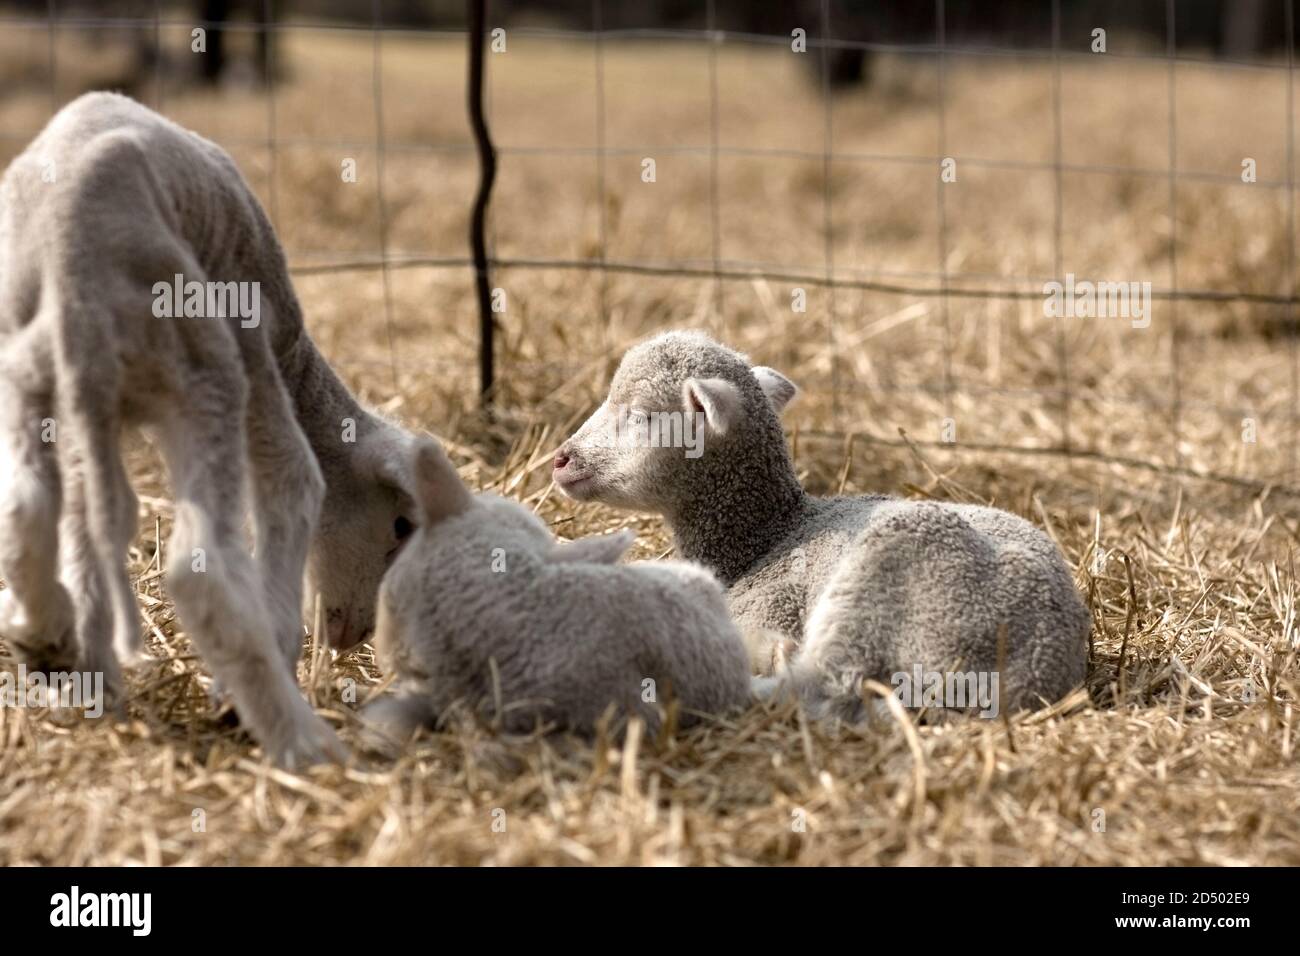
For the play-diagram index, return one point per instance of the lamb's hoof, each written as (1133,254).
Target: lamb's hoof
(222,703)
(382,740)
(850,710)
(87,695)
(311,744)
(48,644)
(226,716)
(388,725)
(134,657)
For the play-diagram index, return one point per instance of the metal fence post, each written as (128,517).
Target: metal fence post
(487,173)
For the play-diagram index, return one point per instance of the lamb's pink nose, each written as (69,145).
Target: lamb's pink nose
(561,460)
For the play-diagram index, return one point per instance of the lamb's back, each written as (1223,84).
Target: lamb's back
(935,585)
(119,198)
(780,592)
(562,641)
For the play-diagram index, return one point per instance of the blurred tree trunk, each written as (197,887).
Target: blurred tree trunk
(1243,27)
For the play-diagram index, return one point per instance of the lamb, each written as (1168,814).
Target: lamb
(858,587)
(483,607)
(102,214)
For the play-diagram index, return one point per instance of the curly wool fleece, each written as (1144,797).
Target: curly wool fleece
(862,587)
(484,607)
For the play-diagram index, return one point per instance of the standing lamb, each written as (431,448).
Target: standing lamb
(484,607)
(105,213)
(866,587)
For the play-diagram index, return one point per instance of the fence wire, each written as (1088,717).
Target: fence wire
(938,284)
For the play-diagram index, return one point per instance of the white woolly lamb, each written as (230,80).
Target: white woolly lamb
(98,217)
(868,587)
(485,608)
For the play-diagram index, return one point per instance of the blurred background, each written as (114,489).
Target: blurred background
(787,174)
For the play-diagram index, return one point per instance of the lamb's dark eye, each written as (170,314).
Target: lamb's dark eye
(403,529)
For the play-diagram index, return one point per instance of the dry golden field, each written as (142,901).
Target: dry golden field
(1181,748)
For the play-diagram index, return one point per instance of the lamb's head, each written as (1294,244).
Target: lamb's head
(458,528)
(681,410)
(367,517)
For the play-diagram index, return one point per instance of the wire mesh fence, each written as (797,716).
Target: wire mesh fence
(831,283)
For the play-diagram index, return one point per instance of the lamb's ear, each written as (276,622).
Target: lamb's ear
(780,391)
(386,455)
(599,549)
(438,489)
(718,399)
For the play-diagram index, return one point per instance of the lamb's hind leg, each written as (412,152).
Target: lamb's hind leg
(844,644)
(36,616)
(212,578)
(288,490)
(99,518)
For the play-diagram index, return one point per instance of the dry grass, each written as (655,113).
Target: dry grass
(1183,741)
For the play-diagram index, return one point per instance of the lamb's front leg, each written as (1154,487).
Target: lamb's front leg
(216,586)
(769,612)
(288,491)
